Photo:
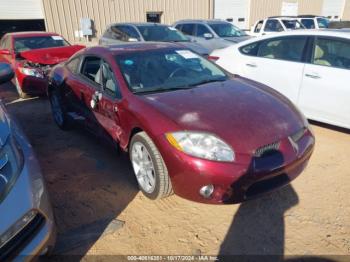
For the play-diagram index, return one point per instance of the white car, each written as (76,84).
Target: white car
(275,24)
(310,67)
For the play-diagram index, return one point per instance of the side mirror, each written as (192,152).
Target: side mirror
(208,36)
(6,73)
(131,39)
(5,52)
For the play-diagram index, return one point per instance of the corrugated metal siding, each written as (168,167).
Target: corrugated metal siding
(346,12)
(332,7)
(21,9)
(310,7)
(63,16)
(260,9)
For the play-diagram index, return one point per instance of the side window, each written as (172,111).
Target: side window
(273,25)
(179,27)
(109,82)
(308,23)
(202,30)
(258,26)
(332,52)
(188,29)
(73,65)
(7,43)
(123,33)
(251,49)
(286,48)
(91,69)
(2,43)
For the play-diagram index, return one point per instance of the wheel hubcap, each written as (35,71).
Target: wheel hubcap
(143,167)
(56,110)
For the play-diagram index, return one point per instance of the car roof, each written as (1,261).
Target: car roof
(30,34)
(205,21)
(139,24)
(311,16)
(303,32)
(131,47)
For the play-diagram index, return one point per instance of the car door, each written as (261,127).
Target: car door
(276,62)
(205,37)
(88,86)
(325,91)
(107,109)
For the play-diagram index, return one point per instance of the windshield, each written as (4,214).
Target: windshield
(293,24)
(38,42)
(166,69)
(323,22)
(160,33)
(227,30)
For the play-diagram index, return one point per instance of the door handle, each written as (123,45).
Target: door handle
(251,65)
(313,76)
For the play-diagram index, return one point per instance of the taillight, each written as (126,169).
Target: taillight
(213,58)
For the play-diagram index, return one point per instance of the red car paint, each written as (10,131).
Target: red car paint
(45,56)
(244,113)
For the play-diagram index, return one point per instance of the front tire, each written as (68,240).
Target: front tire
(58,109)
(149,167)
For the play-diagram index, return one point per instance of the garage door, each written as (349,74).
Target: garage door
(333,7)
(235,11)
(20,9)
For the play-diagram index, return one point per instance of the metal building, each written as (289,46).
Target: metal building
(64,16)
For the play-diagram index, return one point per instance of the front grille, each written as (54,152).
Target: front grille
(18,242)
(266,149)
(267,185)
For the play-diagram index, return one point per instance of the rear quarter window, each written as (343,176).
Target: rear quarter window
(251,49)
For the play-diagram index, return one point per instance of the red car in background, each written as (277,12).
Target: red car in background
(32,54)
(189,127)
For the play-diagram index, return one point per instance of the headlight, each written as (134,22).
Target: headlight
(201,145)
(31,72)
(11,164)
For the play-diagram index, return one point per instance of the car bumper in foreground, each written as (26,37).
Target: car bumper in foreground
(26,220)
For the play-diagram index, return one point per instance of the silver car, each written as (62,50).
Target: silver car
(211,34)
(26,220)
(148,32)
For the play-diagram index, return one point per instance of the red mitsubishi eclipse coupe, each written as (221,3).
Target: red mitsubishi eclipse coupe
(189,127)
(32,54)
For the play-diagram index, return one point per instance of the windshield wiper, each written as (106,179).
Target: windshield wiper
(207,81)
(162,89)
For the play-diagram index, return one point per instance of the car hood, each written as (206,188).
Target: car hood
(194,47)
(244,113)
(51,56)
(237,39)
(4,126)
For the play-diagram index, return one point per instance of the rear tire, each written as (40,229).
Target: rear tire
(20,92)
(148,162)
(59,112)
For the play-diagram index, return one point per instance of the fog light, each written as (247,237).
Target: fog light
(17,227)
(206,191)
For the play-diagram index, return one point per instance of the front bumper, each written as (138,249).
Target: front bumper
(32,85)
(28,194)
(246,178)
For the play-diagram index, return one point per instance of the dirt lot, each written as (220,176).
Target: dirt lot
(100,211)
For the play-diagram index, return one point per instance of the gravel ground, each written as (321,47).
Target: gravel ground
(99,209)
